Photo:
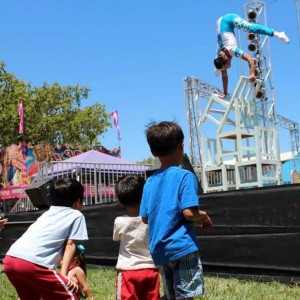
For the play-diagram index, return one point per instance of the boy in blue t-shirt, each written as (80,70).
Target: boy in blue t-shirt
(169,206)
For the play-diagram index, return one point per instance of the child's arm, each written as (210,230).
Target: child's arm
(196,215)
(68,256)
(2,223)
(81,277)
(206,223)
(66,261)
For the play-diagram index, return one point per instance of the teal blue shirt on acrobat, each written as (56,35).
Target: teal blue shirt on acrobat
(226,36)
(166,194)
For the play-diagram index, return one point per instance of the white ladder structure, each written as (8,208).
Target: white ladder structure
(243,154)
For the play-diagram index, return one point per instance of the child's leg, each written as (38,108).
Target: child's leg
(138,284)
(17,271)
(166,272)
(188,276)
(33,282)
(125,286)
(183,278)
(55,287)
(147,284)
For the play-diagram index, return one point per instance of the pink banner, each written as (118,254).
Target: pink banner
(90,190)
(102,190)
(13,192)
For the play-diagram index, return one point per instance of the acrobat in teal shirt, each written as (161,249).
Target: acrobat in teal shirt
(225,32)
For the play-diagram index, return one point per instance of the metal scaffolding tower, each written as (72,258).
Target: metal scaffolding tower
(195,91)
(293,127)
(259,46)
(248,119)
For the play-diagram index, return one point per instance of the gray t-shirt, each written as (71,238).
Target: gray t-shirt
(44,241)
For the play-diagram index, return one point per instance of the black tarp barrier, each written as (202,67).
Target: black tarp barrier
(256,233)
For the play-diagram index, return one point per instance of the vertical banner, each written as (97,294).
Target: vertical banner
(115,117)
(21,116)
(23,144)
(24,155)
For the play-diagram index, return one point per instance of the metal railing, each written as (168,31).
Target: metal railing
(98,180)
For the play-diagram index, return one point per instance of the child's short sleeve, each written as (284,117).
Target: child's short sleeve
(78,229)
(144,211)
(188,191)
(116,232)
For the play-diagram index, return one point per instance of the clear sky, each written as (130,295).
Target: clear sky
(134,54)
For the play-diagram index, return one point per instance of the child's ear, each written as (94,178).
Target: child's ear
(122,205)
(77,204)
(154,154)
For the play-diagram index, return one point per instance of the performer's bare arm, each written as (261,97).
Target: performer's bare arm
(225,82)
(251,64)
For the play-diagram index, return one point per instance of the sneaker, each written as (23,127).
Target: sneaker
(282,36)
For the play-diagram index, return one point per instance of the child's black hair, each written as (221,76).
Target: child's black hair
(65,192)
(164,137)
(129,190)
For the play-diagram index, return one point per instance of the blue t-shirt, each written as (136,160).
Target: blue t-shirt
(166,194)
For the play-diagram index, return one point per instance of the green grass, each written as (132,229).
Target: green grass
(102,284)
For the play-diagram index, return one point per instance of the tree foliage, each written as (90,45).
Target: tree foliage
(149,161)
(53,113)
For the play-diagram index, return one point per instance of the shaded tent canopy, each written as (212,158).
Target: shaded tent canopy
(94,156)
(90,162)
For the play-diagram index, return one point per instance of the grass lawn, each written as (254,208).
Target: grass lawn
(102,281)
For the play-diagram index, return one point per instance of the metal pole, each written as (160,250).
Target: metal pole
(298,19)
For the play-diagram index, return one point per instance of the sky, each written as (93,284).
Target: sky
(134,55)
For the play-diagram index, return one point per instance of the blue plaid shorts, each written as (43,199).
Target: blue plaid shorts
(183,278)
